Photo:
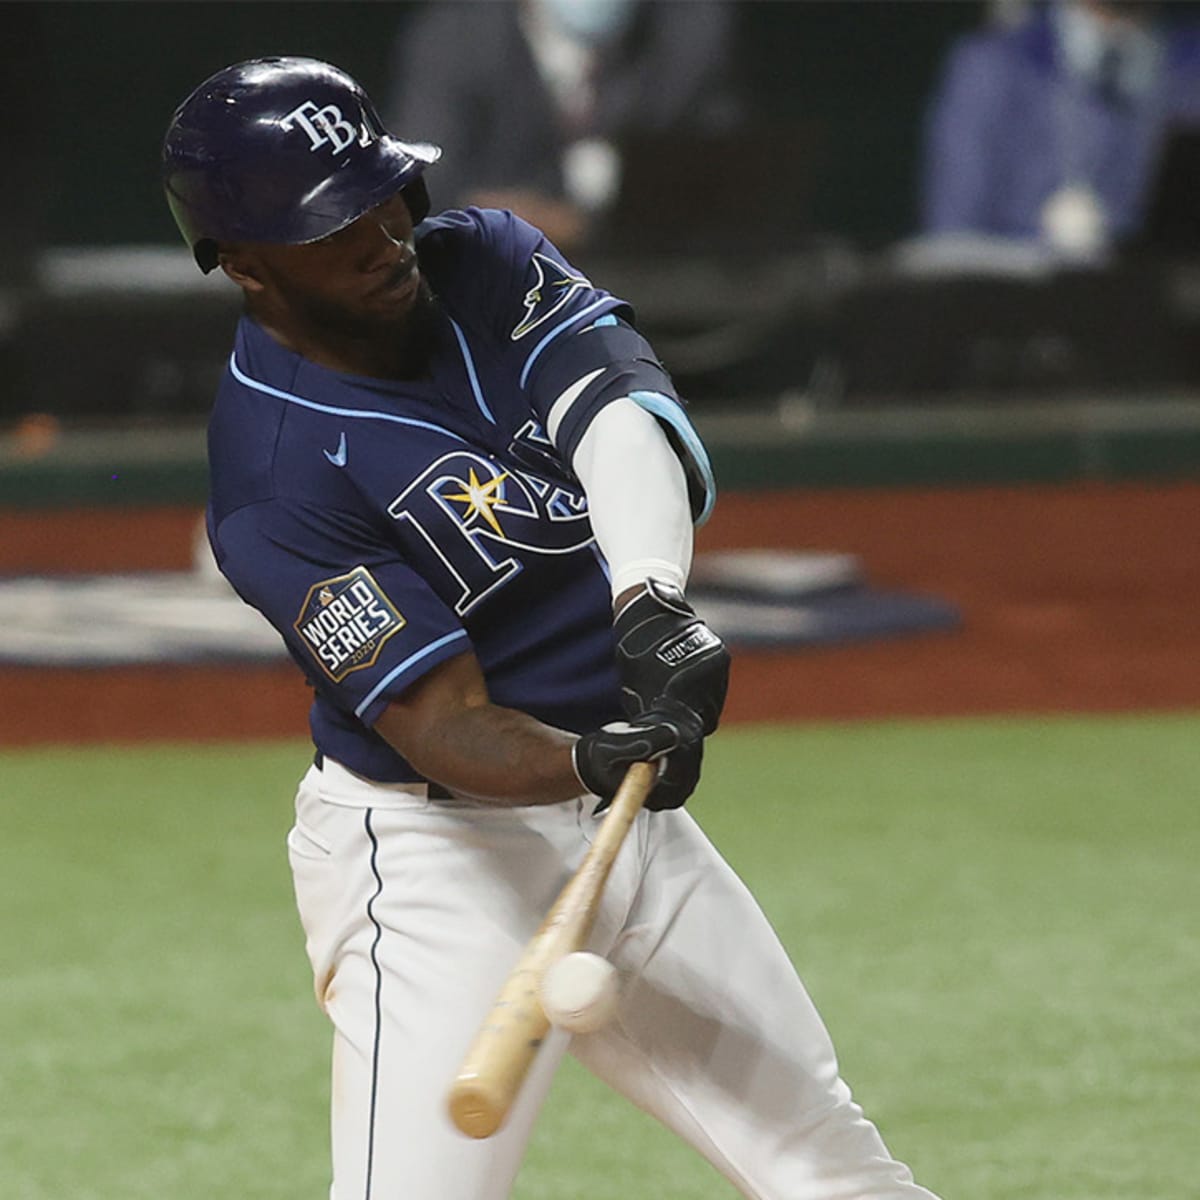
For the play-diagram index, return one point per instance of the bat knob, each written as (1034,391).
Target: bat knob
(474,1108)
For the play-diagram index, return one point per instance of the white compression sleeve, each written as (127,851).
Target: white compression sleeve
(637,496)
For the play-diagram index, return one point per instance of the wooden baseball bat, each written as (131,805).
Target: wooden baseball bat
(491,1074)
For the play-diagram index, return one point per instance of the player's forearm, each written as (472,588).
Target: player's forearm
(490,753)
(637,497)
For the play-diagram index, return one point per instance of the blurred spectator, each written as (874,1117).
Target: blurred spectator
(1049,129)
(530,98)
(24,141)
(23,70)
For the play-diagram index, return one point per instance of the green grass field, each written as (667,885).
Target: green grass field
(998,919)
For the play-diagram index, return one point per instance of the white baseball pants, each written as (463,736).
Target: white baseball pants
(415,911)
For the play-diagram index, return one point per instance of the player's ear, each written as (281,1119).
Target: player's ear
(240,265)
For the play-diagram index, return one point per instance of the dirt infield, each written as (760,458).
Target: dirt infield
(1074,599)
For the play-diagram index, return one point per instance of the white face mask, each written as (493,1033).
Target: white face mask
(593,22)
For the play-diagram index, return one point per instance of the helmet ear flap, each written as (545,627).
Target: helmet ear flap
(205,252)
(416,196)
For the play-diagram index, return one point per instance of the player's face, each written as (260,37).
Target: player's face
(361,281)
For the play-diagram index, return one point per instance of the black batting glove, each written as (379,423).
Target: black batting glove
(669,734)
(665,649)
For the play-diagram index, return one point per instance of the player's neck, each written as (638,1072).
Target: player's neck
(396,353)
(376,358)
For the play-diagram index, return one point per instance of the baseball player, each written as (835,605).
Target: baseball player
(453,475)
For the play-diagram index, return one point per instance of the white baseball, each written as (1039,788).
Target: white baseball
(579,992)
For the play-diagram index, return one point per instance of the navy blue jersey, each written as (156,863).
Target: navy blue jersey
(383,527)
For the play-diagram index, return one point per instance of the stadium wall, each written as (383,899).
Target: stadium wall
(1061,530)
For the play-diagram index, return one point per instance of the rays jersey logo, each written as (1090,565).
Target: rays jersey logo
(480,521)
(534,450)
(553,286)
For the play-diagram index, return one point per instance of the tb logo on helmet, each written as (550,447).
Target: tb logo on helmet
(326,126)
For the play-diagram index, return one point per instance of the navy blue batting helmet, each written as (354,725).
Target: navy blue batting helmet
(283,150)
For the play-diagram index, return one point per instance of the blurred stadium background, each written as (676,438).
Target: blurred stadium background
(979,496)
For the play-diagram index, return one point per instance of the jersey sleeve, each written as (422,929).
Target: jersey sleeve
(500,273)
(362,625)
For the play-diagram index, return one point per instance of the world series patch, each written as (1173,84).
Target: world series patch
(345,621)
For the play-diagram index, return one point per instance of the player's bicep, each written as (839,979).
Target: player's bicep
(382,630)
(411,721)
(361,624)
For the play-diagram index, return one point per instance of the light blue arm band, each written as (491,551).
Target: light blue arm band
(697,467)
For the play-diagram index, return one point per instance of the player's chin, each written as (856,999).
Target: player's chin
(397,295)
(391,309)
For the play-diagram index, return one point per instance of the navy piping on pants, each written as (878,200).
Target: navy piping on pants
(378,998)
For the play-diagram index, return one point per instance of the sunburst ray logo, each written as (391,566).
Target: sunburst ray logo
(481,499)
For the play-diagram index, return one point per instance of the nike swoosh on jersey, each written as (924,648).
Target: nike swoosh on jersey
(338,456)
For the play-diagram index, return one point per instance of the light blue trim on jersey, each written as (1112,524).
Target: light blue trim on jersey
(583,312)
(666,409)
(602,562)
(412,659)
(466,353)
(365,414)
